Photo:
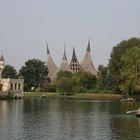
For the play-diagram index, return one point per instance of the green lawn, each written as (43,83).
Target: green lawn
(75,96)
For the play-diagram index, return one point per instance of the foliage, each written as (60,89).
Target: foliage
(115,62)
(80,82)
(9,72)
(61,74)
(10,94)
(34,73)
(50,87)
(130,71)
(103,76)
(87,80)
(65,86)
(79,89)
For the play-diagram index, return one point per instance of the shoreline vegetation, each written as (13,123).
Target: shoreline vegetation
(89,96)
(121,76)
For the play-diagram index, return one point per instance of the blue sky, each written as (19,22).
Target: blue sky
(25,25)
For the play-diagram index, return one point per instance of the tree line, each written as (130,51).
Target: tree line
(121,75)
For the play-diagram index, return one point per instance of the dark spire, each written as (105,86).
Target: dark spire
(1,58)
(64,56)
(48,52)
(88,47)
(74,64)
(74,54)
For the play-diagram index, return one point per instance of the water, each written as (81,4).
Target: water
(61,119)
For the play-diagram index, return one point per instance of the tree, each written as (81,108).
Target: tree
(34,73)
(130,70)
(9,72)
(65,82)
(103,76)
(115,62)
(65,86)
(61,74)
(68,82)
(87,80)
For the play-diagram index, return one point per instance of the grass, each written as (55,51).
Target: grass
(75,96)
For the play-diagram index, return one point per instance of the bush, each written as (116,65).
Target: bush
(79,89)
(87,80)
(37,89)
(50,88)
(65,86)
(10,94)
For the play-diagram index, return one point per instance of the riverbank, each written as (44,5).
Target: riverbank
(76,96)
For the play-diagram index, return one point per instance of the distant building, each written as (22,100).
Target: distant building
(74,64)
(2,64)
(16,86)
(64,64)
(51,66)
(86,65)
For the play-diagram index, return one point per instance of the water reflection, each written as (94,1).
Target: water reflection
(60,119)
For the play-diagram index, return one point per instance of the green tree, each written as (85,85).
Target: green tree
(87,80)
(65,86)
(130,71)
(9,72)
(49,87)
(68,82)
(61,74)
(103,76)
(115,62)
(34,73)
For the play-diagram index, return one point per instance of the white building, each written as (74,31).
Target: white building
(15,86)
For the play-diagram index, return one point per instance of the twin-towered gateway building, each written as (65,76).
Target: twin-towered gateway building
(86,64)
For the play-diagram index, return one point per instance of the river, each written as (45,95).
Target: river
(68,119)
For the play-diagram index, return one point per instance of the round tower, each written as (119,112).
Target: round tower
(2,65)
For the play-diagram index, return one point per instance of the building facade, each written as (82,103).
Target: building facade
(15,86)
(7,85)
(86,64)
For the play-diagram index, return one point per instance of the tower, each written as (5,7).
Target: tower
(2,65)
(50,64)
(74,64)
(64,64)
(87,63)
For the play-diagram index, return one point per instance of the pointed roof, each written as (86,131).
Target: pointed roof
(74,64)
(88,47)
(87,63)
(2,62)
(64,56)
(64,64)
(50,64)
(1,58)
(48,52)
(74,54)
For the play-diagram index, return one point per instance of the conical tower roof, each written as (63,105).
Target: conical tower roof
(2,62)
(64,56)
(64,64)
(74,64)
(87,63)
(50,64)
(2,58)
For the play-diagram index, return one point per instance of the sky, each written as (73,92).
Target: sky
(26,25)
